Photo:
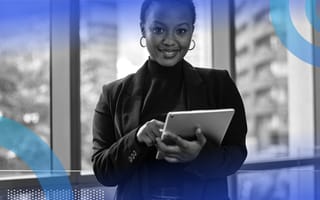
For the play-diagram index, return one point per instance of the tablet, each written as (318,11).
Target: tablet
(213,123)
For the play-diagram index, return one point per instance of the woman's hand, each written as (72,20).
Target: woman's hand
(182,150)
(149,132)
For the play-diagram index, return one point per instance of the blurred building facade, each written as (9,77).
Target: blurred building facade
(98,35)
(261,71)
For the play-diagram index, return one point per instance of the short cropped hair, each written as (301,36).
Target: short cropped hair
(147,3)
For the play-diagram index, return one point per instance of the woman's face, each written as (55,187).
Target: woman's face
(168,31)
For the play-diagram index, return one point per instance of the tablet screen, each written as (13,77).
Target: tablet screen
(213,123)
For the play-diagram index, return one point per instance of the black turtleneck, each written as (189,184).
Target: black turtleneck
(164,92)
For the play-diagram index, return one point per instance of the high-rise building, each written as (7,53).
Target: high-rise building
(261,70)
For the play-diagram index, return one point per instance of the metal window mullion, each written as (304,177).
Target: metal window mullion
(60,87)
(317,128)
(221,38)
(75,145)
(316,86)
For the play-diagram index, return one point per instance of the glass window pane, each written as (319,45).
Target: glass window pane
(24,77)
(98,34)
(262,60)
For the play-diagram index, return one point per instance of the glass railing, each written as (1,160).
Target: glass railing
(295,183)
(291,178)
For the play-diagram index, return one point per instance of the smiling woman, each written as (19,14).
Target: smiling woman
(107,42)
(128,119)
(168,33)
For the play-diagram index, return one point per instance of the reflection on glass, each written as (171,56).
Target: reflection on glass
(262,78)
(24,74)
(282,184)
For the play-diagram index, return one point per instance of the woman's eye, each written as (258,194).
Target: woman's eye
(181,31)
(157,30)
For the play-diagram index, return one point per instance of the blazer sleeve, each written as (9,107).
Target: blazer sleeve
(220,161)
(115,155)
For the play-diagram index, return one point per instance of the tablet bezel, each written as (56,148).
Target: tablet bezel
(213,123)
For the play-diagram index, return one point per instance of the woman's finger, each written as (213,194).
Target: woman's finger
(152,136)
(167,148)
(159,124)
(156,131)
(156,126)
(148,141)
(171,159)
(200,137)
(171,155)
(176,139)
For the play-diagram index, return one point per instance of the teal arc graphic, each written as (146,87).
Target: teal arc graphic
(33,151)
(311,12)
(293,40)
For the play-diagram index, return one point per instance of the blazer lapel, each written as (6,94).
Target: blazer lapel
(131,100)
(195,88)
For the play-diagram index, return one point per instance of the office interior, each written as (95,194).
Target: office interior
(55,58)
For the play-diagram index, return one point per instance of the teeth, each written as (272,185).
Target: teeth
(169,53)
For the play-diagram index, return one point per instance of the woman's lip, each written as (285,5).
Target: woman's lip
(169,50)
(169,54)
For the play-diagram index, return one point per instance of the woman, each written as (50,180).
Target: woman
(130,113)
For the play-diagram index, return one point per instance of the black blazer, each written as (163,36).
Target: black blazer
(118,158)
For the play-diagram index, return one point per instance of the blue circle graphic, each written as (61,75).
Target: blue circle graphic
(31,149)
(311,12)
(294,42)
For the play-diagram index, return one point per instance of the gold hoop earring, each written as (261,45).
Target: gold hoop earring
(141,44)
(193,46)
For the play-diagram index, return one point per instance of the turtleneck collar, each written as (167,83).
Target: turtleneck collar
(165,72)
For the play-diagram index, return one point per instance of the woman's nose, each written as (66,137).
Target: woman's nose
(169,40)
